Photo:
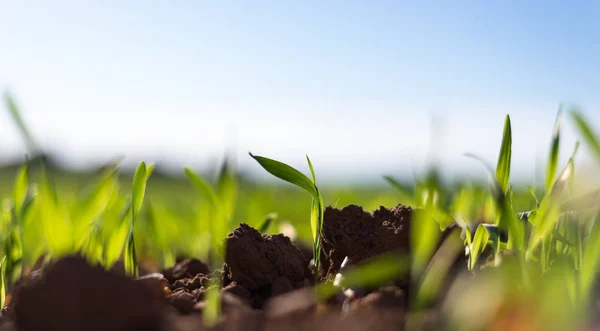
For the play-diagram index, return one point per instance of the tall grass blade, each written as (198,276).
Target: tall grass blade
(504,158)
(138,190)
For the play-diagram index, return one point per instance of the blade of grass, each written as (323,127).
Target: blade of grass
(266,224)
(504,158)
(286,173)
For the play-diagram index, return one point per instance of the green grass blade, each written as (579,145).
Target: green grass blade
(312,170)
(20,189)
(202,186)
(138,190)
(504,158)
(130,259)
(2,285)
(480,241)
(507,218)
(212,309)
(553,156)
(287,173)
(266,224)
(227,189)
(116,243)
(586,131)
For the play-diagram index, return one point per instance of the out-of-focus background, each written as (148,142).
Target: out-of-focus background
(364,88)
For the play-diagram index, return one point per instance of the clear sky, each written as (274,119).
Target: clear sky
(357,85)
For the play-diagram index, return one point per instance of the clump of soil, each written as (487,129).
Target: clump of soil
(72,295)
(263,264)
(351,232)
(187,268)
(357,235)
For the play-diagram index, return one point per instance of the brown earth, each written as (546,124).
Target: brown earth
(265,279)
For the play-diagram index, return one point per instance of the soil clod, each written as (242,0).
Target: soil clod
(72,295)
(261,263)
(351,232)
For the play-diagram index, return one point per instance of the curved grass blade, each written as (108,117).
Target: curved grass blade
(312,170)
(504,158)
(287,173)
(266,224)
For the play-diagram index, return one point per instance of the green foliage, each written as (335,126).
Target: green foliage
(293,176)
(504,158)
(137,198)
(546,255)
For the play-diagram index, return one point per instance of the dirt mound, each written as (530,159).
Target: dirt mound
(72,295)
(359,235)
(263,264)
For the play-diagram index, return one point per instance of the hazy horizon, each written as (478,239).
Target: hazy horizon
(356,86)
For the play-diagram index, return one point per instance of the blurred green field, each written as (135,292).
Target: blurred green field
(549,233)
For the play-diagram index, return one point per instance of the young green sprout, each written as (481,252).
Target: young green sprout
(137,198)
(221,209)
(293,176)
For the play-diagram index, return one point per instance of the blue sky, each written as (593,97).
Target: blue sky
(354,84)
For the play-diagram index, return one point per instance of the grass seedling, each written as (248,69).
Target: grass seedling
(221,209)
(293,176)
(137,199)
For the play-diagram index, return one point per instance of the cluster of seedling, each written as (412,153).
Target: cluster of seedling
(554,245)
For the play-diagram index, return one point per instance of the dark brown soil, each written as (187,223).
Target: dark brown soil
(351,232)
(263,264)
(72,295)
(187,268)
(265,278)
